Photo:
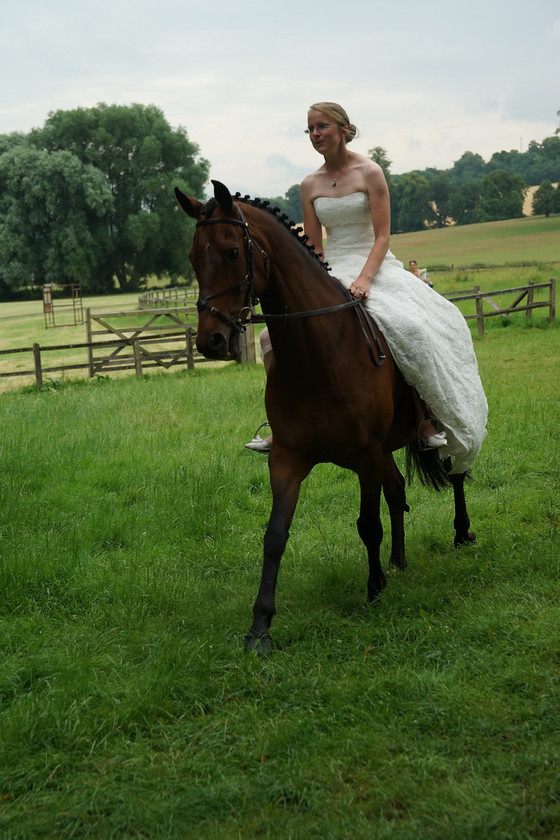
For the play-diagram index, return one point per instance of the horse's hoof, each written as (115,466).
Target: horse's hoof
(260,643)
(398,563)
(374,597)
(466,539)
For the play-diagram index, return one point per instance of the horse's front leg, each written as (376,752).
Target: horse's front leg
(286,476)
(369,524)
(461,522)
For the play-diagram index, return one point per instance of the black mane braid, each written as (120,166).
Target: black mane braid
(264,204)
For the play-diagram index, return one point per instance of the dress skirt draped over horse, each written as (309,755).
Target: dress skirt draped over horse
(428,337)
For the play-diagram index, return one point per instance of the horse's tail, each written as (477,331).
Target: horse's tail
(427,465)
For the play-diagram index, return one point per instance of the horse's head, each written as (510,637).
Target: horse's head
(223,257)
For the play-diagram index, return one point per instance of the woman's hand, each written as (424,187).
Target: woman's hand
(360,288)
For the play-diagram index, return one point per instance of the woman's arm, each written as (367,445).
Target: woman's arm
(380,204)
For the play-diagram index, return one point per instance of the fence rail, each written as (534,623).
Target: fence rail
(171,298)
(522,293)
(134,340)
(165,337)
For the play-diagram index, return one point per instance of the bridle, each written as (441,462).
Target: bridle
(246,314)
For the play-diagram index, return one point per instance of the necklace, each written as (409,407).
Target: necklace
(336,177)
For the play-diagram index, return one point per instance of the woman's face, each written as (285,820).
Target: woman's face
(325,134)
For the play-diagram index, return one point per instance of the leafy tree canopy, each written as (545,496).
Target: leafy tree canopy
(138,159)
(52,208)
(502,197)
(544,199)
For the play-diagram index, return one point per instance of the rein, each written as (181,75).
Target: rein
(240,323)
(365,323)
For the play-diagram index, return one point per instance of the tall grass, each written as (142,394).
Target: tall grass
(131,527)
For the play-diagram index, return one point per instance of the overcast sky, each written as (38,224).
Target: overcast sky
(426,80)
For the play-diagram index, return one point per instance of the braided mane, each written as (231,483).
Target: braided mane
(264,204)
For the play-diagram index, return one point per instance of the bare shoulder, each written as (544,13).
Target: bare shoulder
(374,177)
(371,170)
(309,182)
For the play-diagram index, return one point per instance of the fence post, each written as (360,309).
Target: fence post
(479,312)
(190,348)
(38,368)
(91,373)
(137,357)
(552,307)
(530,294)
(247,355)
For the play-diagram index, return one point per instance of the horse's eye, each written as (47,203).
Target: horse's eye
(233,253)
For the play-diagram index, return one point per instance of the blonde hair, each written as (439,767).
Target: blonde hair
(337,113)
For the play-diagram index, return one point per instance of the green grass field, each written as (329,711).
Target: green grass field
(131,525)
(531,239)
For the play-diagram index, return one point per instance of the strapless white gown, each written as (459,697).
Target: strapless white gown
(429,338)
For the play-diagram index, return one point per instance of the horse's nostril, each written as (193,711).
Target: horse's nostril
(215,346)
(216,342)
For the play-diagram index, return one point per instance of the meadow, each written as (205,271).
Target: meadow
(131,526)
(494,256)
(531,239)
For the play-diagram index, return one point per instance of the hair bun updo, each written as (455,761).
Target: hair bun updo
(337,113)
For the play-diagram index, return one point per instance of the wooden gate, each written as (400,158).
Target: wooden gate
(147,339)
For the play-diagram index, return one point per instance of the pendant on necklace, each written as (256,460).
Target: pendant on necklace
(333,183)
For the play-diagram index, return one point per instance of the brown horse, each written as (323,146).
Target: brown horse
(333,393)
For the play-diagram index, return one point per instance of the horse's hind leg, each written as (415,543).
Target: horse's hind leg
(285,479)
(461,522)
(369,524)
(394,492)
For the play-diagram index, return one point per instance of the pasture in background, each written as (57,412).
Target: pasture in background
(519,250)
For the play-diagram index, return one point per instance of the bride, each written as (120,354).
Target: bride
(429,338)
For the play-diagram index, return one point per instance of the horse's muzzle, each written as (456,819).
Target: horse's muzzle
(218,346)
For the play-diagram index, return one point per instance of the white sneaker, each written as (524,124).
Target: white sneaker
(259,445)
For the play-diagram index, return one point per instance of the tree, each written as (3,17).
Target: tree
(290,204)
(413,202)
(470,167)
(52,209)
(463,203)
(380,156)
(440,195)
(543,199)
(501,197)
(141,158)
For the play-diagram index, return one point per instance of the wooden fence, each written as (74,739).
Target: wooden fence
(171,298)
(165,337)
(132,339)
(524,301)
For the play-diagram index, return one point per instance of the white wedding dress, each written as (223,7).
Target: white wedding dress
(429,338)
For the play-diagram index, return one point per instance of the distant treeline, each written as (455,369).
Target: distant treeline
(472,190)
(88,198)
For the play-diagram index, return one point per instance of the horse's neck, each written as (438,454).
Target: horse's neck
(298,282)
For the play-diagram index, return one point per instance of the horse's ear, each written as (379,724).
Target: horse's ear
(191,206)
(223,196)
